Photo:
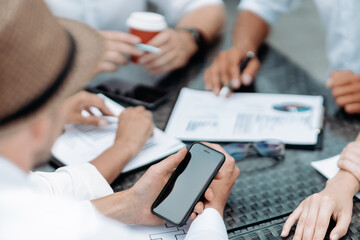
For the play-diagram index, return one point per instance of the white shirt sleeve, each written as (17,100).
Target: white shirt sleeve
(174,10)
(207,226)
(78,182)
(269,10)
(44,217)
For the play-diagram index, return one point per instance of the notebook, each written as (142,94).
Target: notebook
(83,143)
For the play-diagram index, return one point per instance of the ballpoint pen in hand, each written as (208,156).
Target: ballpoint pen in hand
(111,119)
(148,48)
(227,87)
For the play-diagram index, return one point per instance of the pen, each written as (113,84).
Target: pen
(148,48)
(110,119)
(226,89)
(97,113)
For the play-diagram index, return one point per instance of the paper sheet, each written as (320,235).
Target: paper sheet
(83,143)
(200,115)
(163,232)
(328,168)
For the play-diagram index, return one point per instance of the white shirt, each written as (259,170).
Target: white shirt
(341,19)
(56,206)
(112,14)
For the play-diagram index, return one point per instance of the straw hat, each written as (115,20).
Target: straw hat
(42,59)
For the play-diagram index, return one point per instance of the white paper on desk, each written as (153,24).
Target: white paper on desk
(83,143)
(244,117)
(163,232)
(328,168)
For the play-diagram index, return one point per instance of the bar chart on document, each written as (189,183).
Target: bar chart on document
(200,115)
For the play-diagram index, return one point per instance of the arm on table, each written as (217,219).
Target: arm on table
(135,126)
(90,181)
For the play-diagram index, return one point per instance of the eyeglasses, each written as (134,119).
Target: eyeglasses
(268,148)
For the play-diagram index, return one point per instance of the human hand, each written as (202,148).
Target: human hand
(314,213)
(135,126)
(350,158)
(118,46)
(225,68)
(345,87)
(221,186)
(177,47)
(74,105)
(144,193)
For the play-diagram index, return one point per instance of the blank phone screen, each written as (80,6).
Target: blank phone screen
(189,180)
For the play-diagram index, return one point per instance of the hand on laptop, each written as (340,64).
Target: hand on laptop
(74,105)
(314,213)
(345,87)
(134,128)
(225,68)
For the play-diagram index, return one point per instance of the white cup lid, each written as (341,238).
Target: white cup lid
(146,21)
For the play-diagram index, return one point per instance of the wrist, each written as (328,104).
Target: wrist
(126,213)
(344,182)
(124,149)
(116,206)
(191,43)
(245,46)
(218,207)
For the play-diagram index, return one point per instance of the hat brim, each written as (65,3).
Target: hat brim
(89,49)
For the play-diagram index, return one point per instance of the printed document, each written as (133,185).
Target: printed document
(246,117)
(83,143)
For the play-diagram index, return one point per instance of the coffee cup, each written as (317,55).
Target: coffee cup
(145,25)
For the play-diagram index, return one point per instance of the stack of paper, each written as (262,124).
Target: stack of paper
(83,143)
(246,117)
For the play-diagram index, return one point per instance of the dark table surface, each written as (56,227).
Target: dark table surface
(277,75)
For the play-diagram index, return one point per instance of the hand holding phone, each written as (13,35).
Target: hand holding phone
(133,206)
(188,184)
(222,184)
(140,197)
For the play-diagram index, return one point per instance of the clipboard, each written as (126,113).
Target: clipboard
(189,99)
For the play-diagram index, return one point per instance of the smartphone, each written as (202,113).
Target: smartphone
(132,93)
(188,184)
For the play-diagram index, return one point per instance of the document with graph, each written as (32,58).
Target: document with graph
(83,143)
(246,117)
